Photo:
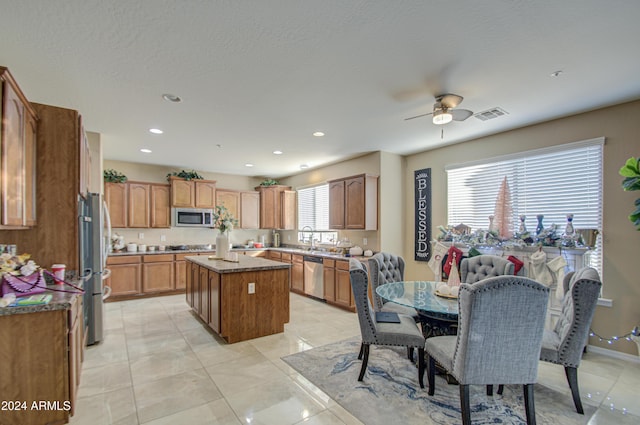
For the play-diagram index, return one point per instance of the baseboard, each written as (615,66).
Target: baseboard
(615,354)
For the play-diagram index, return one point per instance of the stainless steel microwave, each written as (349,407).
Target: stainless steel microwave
(191,217)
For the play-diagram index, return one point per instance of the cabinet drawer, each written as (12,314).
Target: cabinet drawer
(297,258)
(329,263)
(125,259)
(180,257)
(286,257)
(342,265)
(157,258)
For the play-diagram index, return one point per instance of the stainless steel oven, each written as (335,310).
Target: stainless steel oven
(191,217)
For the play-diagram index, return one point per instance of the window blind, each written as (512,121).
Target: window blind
(313,207)
(553,182)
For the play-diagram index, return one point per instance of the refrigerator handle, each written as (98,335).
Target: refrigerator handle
(106,292)
(87,275)
(107,242)
(106,274)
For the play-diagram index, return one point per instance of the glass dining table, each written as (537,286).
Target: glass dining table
(438,315)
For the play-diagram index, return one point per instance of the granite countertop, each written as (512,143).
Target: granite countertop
(244,264)
(60,300)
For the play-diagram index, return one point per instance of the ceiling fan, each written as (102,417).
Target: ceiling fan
(444,112)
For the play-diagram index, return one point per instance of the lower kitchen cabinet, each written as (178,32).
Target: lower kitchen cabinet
(343,292)
(329,280)
(180,273)
(126,275)
(297,273)
(157,273)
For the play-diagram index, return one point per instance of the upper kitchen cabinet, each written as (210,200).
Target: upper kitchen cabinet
(353,203)
(160,205)
(115,195)
(193,193)
(249,210)
(138,204)
(230,200)
(18,144)
(277,207)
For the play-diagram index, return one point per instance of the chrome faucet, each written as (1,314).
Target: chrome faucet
(311,240)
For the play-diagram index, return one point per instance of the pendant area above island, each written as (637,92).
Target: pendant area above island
(239,300)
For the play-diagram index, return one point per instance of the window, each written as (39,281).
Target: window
(313,212)
(553,182)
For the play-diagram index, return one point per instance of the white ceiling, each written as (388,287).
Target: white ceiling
(263,75)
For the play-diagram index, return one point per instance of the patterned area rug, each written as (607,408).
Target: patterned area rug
(390,393)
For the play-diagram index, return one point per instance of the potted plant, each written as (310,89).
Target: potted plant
(269,182)
(112,176)
(187,175)
(631,172)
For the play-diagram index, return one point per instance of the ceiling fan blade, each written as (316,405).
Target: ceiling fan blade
(460,114)
(418,116)
(449,100)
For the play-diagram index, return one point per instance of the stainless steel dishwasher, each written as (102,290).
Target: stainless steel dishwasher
(313,280)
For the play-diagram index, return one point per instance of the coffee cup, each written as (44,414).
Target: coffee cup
(142,248)
(132,247)
(58,273)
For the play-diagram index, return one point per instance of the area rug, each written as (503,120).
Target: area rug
(390,393)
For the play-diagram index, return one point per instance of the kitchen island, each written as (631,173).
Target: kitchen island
(239,300)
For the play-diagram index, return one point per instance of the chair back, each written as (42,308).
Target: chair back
(500,327)
(480,267)
(360,287)
(582,290)
(384,268)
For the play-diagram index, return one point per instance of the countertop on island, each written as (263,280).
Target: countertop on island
(244,264)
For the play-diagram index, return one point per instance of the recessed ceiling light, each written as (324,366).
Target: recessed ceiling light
(171,98)
(304,166)
(248,164)
(557,73)
(144,150)
(277,152)
(156,131)
(318,134)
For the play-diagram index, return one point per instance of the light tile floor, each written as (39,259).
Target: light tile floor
(159,365)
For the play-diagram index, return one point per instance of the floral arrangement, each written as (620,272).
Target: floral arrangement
(19,265)
(223,219)
(187,175)
(112,176)
(631,173)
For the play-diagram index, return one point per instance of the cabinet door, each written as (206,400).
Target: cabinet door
(183,194)
(180,276)
(297,273)
(205,194)
(30,170)
(157,277)
(125,279)
(115,195)
(336,205)
(249,210)
(329,278)
(214,301)
(269,199)
(12,157)
(354,194)
(139,204)
(288,210)
(230,200)
(160,205)
(205,296)
(343,285)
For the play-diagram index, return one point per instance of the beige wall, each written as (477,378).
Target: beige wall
(621,128)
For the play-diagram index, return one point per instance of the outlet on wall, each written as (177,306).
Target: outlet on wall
(252,287)
(364,241)
(140,235)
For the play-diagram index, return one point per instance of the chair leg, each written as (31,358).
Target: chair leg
(490,390)
(365,360)
(431,374)
(421,367)
(410,353)
(572,378)
(465,406)
(361,351)
(500,389)
(529,406)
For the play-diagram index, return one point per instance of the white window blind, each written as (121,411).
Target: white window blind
(313,207)
(553,182)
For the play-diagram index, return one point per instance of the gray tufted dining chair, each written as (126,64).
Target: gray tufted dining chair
(564,345)
(385,268)
(500,327)
(403,334)
(474,269)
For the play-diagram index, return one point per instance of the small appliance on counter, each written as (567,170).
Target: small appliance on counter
(276,239)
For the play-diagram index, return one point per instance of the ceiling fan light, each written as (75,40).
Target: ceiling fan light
(442,117)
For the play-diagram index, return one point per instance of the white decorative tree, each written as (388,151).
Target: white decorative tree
(503,213)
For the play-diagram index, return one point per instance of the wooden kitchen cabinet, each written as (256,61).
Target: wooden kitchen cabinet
(277,207)
(157,273)
(215,307)
(139,203)
(353,203)
(126,275)
(230,200)
(329,279)
(297,273)
(343,292)
(17,141)
(205,297)
(192,193)
(249,210)
(160,206)
(115,195)
(180,273)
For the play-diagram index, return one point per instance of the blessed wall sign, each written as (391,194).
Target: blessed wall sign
(422,194)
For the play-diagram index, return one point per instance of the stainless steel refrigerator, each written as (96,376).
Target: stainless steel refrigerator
(95,238)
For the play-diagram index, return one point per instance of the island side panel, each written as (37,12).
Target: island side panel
(246,316)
